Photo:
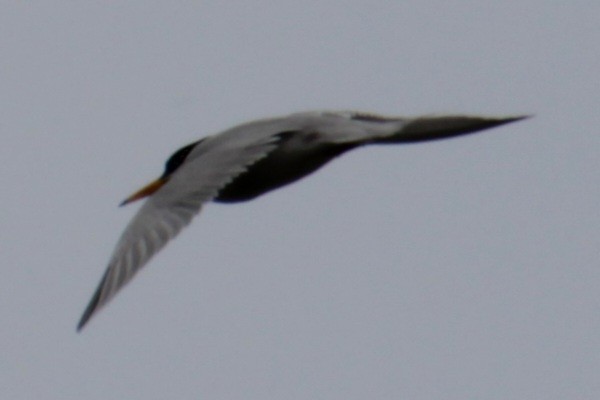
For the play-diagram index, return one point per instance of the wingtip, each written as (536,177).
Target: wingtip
(82,322)
(80,326)
(515,118)
(92,306)
(510,119)
(87,314)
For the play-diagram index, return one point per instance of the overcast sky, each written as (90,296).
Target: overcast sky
(460,269)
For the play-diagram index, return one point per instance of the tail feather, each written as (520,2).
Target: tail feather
(423,129)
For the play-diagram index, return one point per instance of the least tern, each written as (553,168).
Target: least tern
(249,160)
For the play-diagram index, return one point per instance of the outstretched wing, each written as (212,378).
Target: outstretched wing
(427,128)
(363,128)
(172,208)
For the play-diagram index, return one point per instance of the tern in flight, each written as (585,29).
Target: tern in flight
(249,160)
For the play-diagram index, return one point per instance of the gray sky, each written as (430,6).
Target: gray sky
(462,269)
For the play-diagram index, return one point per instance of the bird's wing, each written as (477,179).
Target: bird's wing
(363,128)
(170,209)
(427,128)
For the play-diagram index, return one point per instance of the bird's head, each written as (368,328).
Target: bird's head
(172,164)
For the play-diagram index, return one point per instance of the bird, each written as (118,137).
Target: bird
(249,160)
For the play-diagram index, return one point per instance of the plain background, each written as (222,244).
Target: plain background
(461,269)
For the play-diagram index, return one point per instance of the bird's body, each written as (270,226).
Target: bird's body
(249,160)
